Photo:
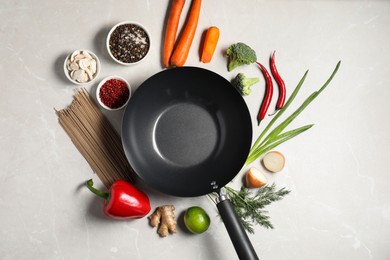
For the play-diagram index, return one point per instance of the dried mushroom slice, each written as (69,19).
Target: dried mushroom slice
(93,66)
(82,66)
(72,57)
(89,73)
(83,78)
(86,54)
(85,63)
(73,66)
(77,74)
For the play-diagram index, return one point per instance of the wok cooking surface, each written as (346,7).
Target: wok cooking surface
(186,131)
(183,141)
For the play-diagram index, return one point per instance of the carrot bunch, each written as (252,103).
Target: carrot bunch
(177,56)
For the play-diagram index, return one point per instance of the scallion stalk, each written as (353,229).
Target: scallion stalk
(276,137)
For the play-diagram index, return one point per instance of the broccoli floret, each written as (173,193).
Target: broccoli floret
(243,84)
(240,54)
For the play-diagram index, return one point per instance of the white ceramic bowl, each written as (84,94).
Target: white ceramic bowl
(67,72)
(109,37)
(100,86)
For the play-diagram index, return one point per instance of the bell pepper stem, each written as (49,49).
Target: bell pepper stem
(102,194)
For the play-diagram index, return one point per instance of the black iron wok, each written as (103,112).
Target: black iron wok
(187,132)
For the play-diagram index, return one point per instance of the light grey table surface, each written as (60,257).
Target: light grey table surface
(338,171)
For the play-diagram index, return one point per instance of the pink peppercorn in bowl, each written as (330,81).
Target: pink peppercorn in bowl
(113,93)
(128,43)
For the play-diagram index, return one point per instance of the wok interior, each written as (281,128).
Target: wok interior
(186,131)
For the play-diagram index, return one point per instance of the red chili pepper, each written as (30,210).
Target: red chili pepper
(280,82)
(269,89)
(123,201)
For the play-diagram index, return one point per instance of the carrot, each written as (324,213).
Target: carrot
(183,46)
(210,43)
(171,30)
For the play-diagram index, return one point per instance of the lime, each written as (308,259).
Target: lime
(196,220)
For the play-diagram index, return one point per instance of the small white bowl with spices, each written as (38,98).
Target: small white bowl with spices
(82,67)
(113,93)
(128,43)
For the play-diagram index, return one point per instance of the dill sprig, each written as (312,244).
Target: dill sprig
(249,205)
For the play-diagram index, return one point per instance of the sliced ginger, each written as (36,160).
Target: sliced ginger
(164,217)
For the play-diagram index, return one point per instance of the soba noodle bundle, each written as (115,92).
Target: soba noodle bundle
(95,138)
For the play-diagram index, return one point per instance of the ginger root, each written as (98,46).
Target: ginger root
(165,216)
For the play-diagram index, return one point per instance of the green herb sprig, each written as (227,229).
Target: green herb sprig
(276,137)
(249,205)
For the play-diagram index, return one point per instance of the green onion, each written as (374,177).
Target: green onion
(276,136)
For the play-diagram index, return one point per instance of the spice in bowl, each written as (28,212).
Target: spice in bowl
(81,66)
(128,43)
(113,93)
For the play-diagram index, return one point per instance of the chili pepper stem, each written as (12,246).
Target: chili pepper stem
(102,194)
(273,113)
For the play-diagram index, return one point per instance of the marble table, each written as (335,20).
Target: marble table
(338,171)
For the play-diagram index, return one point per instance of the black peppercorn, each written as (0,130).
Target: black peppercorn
(129,43)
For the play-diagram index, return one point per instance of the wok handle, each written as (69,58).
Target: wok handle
(238,236)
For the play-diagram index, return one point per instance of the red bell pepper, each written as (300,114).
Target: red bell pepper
(123,201)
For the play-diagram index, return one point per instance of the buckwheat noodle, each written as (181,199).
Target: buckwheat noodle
(95,138)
